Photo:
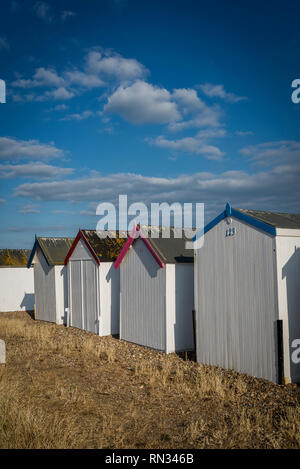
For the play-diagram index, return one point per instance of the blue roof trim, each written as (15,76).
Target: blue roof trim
(254,222)
(36,244)
(210,225)
(228,212)
(32,254)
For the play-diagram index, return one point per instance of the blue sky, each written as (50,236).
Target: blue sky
(173,101)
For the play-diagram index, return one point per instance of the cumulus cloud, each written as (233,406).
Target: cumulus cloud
(60,94)
(99,69)
(199,144)
(35,170)
(11,148)
(28,209)
(114,66)
(87,80)
(218,91)
(143,103)
(41,78)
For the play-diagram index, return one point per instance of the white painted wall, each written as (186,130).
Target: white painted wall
(61,293)
(16,289)
(288,284)
(109,287)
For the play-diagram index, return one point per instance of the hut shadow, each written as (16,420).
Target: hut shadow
(64,274)
(28,302)
(144,255)
(291,272)
(184,304)
(113,277)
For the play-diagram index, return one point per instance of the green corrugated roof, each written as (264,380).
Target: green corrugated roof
(14,257)
(55,250)
(276,219)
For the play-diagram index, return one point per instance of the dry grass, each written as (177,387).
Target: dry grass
(64,388)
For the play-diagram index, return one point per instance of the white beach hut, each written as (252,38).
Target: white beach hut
(156,292)
(50,277)
(16,281)
(94,285)
(247,279)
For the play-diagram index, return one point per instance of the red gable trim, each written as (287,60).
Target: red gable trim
(79,236)
(135,234)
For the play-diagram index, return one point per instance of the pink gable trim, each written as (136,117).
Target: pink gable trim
(129,242)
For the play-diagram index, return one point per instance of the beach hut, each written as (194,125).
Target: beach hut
(50,278)
(156,292)
(247,279)
(94,285)
(16,281)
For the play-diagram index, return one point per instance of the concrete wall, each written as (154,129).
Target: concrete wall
(16,289)
(288,283)
(236,300)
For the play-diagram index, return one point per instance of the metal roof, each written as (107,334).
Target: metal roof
(265,221)
(276,219)
(54,249)
(166,248)
(171,250)
(14,257)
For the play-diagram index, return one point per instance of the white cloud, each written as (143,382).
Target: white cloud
(218,91)
(41,78)
(35,170)
(269,190)
(67,14)
(191,105)
(142,103)
(114,66)
(196,145)
(79,116)
(3,43)
(271,153)
(43,11)
(2,201)
(28,209)
(11,148)
(84,79)
(59,94)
